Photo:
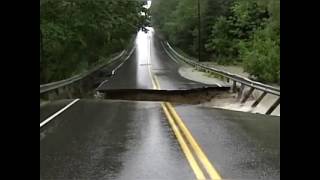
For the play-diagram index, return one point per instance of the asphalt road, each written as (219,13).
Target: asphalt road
(240,145)
(108,139)
(149,53)
(112,140)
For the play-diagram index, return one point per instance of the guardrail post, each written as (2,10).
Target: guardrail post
(223,78)
(69,91)
(60,91)
(240,91)
(81,88)
(44,96)
(247,95)
(234,86)
(52,95)
(273,107)
(66,92)
(57,92)
(77,90)
(259,99)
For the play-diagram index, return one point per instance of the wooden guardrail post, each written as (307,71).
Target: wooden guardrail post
(247,95)
(60,91)
(259,99)
(224,78)
(80,88)
(241,91)
(52,95)
(273,107)
(234,86)
(69,91)
(44,96)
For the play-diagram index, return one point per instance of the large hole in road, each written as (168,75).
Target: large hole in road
(189,96)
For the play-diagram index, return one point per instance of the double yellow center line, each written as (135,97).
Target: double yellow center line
(186,139)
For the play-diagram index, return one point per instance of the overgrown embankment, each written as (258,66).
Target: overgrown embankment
(242,32)
(75,35)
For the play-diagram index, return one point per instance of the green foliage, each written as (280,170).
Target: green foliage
(222,43)
(77,32)
(249,34)
(243,32)
(177,20)
(245,17)
(261,55)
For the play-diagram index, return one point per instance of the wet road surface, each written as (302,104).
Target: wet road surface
(104,139)
(112,140)
(149,53)
(240,145)
(50,108)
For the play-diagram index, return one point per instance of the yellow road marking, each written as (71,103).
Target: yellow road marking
(174,118)
(156,81)
(153,84)
(193,163)
(149,69)
(198,151)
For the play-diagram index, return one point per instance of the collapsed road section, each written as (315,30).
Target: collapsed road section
(188,96)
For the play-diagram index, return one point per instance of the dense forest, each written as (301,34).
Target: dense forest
(242,32)
(74,34)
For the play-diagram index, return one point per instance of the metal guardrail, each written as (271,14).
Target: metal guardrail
(68,86)
(55,85)
(235,78)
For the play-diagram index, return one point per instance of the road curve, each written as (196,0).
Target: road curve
(108,139)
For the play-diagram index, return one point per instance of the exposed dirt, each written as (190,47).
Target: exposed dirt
(230,100)
(190,96)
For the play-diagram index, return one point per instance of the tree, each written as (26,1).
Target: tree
(243,32)
(77,32)
(178,21)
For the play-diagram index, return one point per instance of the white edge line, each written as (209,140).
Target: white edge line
(115,69)
(102,83)
(219,85)
(170,56)
(57,113)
